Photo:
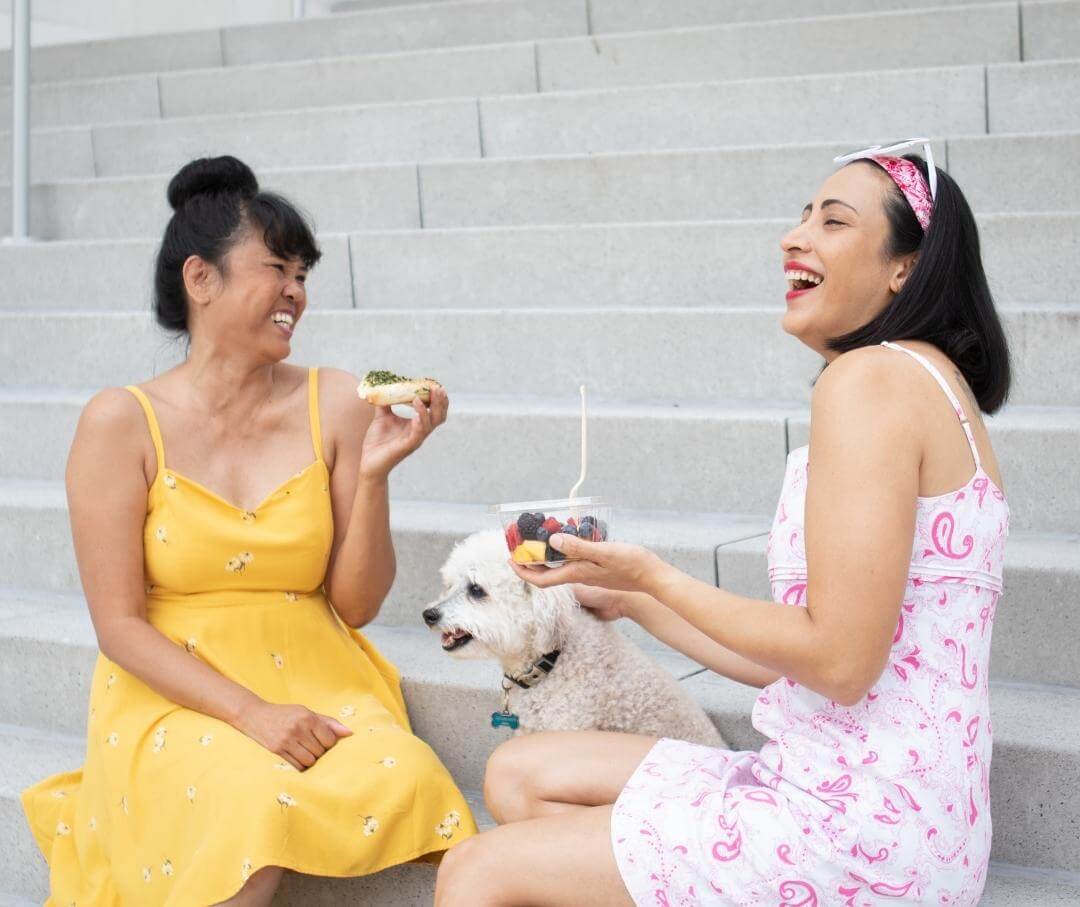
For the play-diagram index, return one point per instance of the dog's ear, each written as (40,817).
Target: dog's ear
(553,610)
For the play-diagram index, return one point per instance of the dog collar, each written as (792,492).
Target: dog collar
(540,669)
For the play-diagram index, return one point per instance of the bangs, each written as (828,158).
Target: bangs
(285,231)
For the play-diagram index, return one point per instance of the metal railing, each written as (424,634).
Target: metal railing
(20,121)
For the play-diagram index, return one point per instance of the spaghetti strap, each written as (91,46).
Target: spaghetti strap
(944,385)
(151,419)
(313,411)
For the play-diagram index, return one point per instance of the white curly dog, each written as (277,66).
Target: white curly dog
(565,669)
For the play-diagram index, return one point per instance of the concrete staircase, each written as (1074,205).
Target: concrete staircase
(518,196)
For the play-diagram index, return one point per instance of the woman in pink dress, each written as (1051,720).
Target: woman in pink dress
(885,560)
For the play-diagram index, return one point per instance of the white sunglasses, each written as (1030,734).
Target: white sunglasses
(883,150)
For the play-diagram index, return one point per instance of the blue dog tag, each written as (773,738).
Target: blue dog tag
(504,719)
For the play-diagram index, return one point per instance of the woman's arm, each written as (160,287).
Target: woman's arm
(860,518)
(367,443)
(106,490)
(667,626)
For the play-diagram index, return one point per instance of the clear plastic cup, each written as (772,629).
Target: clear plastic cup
(527,525)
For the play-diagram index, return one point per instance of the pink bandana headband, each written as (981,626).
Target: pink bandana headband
(908,178)
(910,181)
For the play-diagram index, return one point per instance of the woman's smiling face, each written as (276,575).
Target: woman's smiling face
(840,273)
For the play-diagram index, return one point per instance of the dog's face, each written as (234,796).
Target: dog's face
(486,611)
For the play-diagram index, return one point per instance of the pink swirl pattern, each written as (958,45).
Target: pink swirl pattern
(887,800)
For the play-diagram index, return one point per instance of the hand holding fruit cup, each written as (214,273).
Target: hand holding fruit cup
(606,565)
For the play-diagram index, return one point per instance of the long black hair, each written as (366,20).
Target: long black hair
(945,300)
(215,201)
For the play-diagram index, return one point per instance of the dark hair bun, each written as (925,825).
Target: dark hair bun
(212,176)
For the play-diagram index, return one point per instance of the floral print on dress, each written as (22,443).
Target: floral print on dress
(371,825)
(159,739)
(239,563)
(162,535)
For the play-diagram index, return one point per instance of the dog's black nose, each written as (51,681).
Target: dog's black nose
(432,616)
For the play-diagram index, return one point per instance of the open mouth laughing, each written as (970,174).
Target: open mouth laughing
(800,279)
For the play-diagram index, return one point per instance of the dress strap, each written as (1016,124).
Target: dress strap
(944,385)
(151,419)
(313,411)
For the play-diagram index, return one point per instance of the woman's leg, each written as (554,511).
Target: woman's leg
(259,890)
(559,771)
(556,860)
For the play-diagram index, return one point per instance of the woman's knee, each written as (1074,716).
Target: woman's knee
(465,875)
(507,780)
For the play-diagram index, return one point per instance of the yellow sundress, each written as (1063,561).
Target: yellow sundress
(173,807)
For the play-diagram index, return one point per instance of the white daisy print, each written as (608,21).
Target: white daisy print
(279,662)
(291,597)
(159,739)
(206,739)
(109,681)
(162,535)
(444,831)
(167,868)
(388,762)
(249,516)
(92,824)
(285,800)
(245,870)
(371,825)
(113,739)
(191,792)
(285,767)
(147,873)
(59,794)
(62,829)
(453,818)
(169,481)
(191,645)
(347,711)
(124,805)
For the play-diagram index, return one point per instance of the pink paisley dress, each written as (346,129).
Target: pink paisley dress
(885,801)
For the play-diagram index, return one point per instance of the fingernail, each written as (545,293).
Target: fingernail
(556,541)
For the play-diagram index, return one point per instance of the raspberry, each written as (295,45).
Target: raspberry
(513,537)
(597,535)
(572,522)
(551,525)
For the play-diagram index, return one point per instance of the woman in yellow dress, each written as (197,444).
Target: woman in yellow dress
(238,722)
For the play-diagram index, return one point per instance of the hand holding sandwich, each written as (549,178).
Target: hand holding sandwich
(391,438)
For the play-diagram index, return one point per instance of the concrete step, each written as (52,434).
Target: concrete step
(487,70)
(1035,614)
(901,38)
(1036,752)
(953,100)
(648,353)
(939,101)
(763,181)
(1027,257)
(529,447)
(23,869)
(374,31)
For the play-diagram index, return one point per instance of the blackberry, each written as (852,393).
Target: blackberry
(552,555)
(585,531)
(527,524)
(588,519)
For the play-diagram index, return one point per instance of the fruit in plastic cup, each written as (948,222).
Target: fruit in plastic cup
(528,525)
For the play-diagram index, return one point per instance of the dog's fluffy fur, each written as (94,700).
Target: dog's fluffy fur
(601,681)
